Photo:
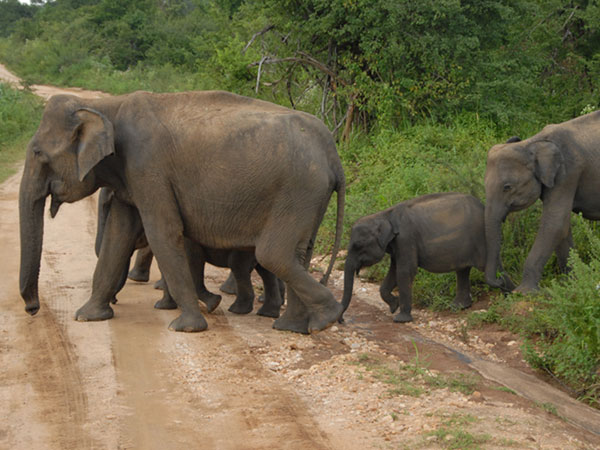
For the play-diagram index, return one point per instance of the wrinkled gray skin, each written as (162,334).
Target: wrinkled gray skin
(224,171)
(561,166)
(241,262)
(437,232)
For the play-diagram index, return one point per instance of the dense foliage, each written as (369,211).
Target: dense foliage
(415,92)
(20,113)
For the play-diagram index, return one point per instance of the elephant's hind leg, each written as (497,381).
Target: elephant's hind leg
(311,306)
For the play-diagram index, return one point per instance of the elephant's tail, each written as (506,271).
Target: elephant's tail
(339,224)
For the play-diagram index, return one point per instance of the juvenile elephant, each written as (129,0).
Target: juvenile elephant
(222,170)
(561,166)
(241,263)
(438,232)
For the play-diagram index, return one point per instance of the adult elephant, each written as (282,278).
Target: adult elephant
(222,170)
(561,166)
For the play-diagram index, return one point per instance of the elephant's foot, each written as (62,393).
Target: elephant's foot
(323,316)
(268,310)
(160,284)
(526,288)
(210,300)
(91,312)
(241,306)
(295,324)
(403,317)
(189,323)
(166,303)
(507,284)
(463,301)
(136,274)
(229,286)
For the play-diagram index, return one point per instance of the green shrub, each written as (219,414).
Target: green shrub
(20,113)
(568,344)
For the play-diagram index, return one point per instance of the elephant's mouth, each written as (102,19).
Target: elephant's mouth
(54,205)
(56,189)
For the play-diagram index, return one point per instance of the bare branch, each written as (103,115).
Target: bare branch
(258,74)
(255,35)
(306,60)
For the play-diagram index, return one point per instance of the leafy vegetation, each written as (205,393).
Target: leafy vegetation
(415,93)
(19,117)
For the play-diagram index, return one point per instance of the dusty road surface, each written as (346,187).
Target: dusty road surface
(368,383)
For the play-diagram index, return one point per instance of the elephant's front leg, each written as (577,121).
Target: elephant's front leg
(387,285)
(197,260)
(273,298)
(164,230)
(141,267)
(123,226)
(405,275)
(553,231)
(244,300)
(562,252)
(463,297)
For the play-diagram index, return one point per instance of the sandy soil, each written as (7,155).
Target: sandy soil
(131,383)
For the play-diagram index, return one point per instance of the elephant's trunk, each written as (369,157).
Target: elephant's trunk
(350,268)
(32,199)
(493,238)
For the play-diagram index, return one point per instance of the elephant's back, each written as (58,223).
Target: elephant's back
(452,230)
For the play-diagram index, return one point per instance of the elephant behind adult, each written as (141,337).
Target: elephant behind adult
(561,166)
(241,263)
(222,170)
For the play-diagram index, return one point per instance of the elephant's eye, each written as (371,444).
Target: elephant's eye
(507,187)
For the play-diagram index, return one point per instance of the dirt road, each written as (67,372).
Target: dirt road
(369,383)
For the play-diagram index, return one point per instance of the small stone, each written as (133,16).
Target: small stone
(476,397)
(334,329)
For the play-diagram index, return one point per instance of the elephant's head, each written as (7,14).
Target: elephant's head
(60,160)
(516,175)
(369,239)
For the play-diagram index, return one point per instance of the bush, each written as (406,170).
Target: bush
(20,113)
(568,344)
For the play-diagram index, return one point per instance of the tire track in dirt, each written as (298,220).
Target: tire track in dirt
(209,389)
(49,359)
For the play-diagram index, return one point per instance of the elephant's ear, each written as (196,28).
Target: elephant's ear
(95,136)
(385,233)
(548,161)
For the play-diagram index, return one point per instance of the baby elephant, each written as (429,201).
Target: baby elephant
(438,232)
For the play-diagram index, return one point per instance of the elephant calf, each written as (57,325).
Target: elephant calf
(240,262)
(438,232)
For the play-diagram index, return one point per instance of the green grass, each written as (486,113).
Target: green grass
(453,433)
(414,378)
(20,113)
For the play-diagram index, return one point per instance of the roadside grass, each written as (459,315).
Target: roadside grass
(20,112)
(414,378)
(452,433)
(560,324)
